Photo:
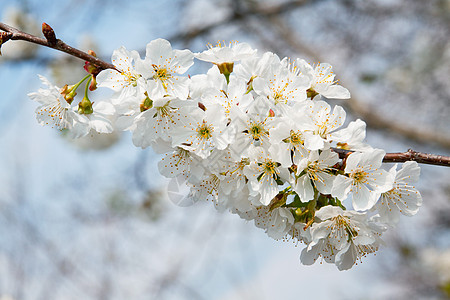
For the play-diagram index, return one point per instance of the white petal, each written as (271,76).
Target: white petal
(336,92)
(363,198)
(304,188)
(341,187)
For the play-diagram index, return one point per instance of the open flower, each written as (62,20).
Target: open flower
(263,173)
(314,172)
(364,179)
(283,88)
(342,237)
(164,65)
(202,131)
(126,79)
(352,137)
(223,53)
(322,80)
(99,120)
(252,126)
(403,198)
(54,109)
(276,222)
(321,121)
(155,122)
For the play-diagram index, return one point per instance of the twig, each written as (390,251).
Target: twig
(410,155)
(56,44)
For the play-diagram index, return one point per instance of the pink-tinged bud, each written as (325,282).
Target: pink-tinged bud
(49,34)
(4,37)
(93,85)
(90,67)
(271,113)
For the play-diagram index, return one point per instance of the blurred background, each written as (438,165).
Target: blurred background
(90,219)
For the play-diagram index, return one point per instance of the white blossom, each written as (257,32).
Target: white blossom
(403,198)
(125,79)
(156,122)
(251,136)
(54,109)
(99,120)
(282,88)
(263,173)
(314,171)
(164,66)
(352,137)
(223,53)
(364,179)
(341,237)
(322,80)
(322,122)
(202,131)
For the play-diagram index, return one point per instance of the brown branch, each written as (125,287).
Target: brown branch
(57,44)
(410,155)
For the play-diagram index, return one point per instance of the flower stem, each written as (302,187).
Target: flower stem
(80,82)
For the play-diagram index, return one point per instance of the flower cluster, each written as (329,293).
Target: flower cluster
(253,136)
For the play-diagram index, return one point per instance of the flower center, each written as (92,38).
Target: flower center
(205,131)
(296,138)
(269,167)
(130,78)
(279,96)
(312,170)
(359,176)
(256,130)
(163,111)
(344,228)
(182,156)
(322,129)
(161,74)
(56,112)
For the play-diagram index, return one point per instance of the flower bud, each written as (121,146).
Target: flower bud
(93,85)
(68,92)
(49,34)
(90,67)
(85,107)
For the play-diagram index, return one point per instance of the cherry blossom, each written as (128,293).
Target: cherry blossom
(253,137)
(403,198)
(364,179)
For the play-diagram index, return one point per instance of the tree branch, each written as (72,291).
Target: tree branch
(423,158)
(56,44)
